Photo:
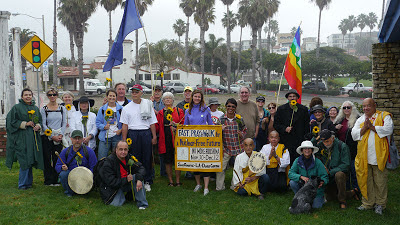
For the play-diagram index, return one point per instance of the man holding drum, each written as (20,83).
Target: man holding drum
(76,155)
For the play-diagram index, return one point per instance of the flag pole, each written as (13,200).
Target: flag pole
(280,83)
(151,69)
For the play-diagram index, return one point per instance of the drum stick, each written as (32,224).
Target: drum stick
(58,155)
(237,175)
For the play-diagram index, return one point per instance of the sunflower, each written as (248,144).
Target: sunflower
(322,151)
(238,116)
(68,107)
(108,79)
(186,106)
(109,112)
(315,130)
(169,117)
(48,132)
(134,158)
(129,141)
(79,154)
(170,109)
(31,112)
(293,102)
(85,117)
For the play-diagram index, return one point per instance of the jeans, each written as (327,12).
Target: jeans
(64,182)
(104,148)
(318,200)
(140,195)
(25,178)
(262,186)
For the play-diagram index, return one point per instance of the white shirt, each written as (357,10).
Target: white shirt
(383,131)
(113,123)
(121,102)
(76,124)
(131,116)
(215,116)
(285,160)
(241,162)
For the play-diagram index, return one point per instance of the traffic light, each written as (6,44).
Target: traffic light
(36,52)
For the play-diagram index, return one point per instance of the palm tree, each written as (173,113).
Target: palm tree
(109,6)
(372,20)
(321,5)
(351,24)
(203,15)
(67,21)
(343,28)
(179,28)
(242,23)
(294,30)
(141,7)
(255,13)
(188,7)
(229,24)
(362,21)
(211,46)
(273,43)
(80,12)
(272,27)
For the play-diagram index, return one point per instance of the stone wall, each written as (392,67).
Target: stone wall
(386,81)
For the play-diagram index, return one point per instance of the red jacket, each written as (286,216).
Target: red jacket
(176,117)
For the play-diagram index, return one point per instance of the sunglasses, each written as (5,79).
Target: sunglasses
(346,107)
(260,101)
(273,107)
(230,106)
(52,95)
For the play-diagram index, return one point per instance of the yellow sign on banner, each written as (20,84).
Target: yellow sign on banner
(36,51)
(199,148)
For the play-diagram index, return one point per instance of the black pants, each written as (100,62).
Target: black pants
(50,160)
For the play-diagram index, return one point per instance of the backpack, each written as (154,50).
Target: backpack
(96,172)
(46,111)
(85,152)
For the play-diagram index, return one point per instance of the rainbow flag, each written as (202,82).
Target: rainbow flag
(293,65)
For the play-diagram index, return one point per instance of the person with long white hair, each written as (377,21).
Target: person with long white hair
(344,123)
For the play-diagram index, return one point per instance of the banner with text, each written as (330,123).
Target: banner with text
(198,148)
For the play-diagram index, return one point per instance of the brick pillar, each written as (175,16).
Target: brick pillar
(386,81)
(3,141)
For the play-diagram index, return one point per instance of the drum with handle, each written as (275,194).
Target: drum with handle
(80,180)
(257,162)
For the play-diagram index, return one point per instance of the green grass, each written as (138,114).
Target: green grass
(174,205)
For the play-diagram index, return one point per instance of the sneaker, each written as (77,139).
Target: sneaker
(142,208)
(206,191)
(378,209)
(147,187)
(361,208)
(197,188)
(260,197)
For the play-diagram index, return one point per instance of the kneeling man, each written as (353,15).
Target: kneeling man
(335,155)
(75,155)
(121,173)
(278,160)
(244,183)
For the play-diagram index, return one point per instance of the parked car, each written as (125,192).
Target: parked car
(314,85)
(208,89)
(221,88)
(174,87)
(146,90)
(92,86)
(354,87)
(235,88)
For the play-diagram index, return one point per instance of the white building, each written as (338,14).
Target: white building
(349,40)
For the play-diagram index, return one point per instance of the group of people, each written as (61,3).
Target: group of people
(346,150)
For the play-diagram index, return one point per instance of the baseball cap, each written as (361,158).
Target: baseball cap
(325,134)
(76,133)
(137,87)
(188,88)
(158,87)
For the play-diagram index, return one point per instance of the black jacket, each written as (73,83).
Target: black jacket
(300,124)
(350,142)
(326,124)
(111,177)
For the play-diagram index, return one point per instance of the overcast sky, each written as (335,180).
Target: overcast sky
(160,17)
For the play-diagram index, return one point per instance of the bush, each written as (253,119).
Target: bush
(273,87)
(361,95)
(334,84)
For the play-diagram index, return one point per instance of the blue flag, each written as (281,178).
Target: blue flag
(130,22)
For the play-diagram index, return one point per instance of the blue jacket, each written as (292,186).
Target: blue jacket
(88,163)
(101,121)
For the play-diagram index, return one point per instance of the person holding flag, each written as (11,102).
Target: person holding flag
(292,119)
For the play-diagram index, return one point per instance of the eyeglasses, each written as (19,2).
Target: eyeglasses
(244,92)
(52,95)
(230,106)
(260,101)
(273,107)
(346,107)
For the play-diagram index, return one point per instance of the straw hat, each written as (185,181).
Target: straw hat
(306,144)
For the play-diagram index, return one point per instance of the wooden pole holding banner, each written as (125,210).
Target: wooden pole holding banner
(148,52)
(280,83)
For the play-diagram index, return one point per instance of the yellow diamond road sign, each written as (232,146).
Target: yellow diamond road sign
(36,51)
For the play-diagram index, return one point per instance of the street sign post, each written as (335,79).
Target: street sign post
(36,52)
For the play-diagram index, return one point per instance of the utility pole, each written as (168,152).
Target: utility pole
(4,68)
(17,62)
